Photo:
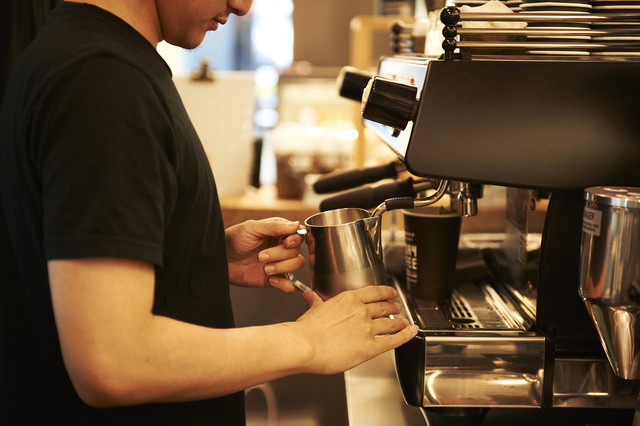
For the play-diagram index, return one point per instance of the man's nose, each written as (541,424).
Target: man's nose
(240,7)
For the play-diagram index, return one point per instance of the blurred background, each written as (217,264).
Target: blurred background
(272,90)
(261,92)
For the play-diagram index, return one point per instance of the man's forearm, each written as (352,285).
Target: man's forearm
(118,353)
(174,361)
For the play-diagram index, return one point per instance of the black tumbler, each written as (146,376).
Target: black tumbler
(431,247)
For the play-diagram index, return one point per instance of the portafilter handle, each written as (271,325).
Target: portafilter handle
(342,180)
(389,102)
(369,197)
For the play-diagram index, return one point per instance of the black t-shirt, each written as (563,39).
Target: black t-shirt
(99,158)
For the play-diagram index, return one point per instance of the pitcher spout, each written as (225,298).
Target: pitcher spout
(373,225)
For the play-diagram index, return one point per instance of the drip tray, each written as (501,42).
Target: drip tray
(470,352)
(472,306)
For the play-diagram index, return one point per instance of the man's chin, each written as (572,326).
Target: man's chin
(188,44)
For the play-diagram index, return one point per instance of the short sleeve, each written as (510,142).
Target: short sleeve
(106,162)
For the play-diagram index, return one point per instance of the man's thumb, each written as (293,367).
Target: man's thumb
(311,298)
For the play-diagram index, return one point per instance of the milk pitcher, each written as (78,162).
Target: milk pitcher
(345,251)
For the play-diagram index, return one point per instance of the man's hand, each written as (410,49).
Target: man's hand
(352,327)
(258,258)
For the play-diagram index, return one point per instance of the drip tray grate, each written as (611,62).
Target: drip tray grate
(472,306)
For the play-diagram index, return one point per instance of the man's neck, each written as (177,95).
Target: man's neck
(140,14)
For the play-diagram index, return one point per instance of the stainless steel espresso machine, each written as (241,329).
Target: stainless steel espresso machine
(519,337)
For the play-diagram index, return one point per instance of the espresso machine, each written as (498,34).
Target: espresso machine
(555,125)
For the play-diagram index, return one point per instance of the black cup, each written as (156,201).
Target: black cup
(431,247)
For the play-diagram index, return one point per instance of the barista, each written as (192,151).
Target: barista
(114,298)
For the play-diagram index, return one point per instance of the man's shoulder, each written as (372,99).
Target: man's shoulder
(100,52)
(77,33)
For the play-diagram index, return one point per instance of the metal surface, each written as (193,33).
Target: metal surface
(610,273)
(477,351)
(590,121)
(345,251)
(580,382)
(528,40)
(472,306)
(409,203)
(557,124)
(290,275)
(542,17)
(560,114)
(491,382)
(374,398)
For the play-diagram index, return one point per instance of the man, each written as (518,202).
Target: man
(114,296)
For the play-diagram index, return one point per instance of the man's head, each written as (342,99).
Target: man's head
(184,23)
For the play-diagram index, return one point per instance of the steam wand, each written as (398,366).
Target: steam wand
(410,202)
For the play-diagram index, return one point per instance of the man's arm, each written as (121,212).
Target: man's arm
(118,353)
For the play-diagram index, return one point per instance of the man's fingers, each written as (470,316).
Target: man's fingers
(276,226)
(376,293)
(277,253)
(383,326)
(282,284)
(393,340)
(384,309)
(292,241)
(287,265)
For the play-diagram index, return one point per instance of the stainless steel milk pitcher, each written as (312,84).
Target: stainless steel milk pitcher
(345,245)
(345,251)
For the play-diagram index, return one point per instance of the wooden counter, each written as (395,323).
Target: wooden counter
(263,204)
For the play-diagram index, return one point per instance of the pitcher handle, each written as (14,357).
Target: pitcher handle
(292,278)
(297,283)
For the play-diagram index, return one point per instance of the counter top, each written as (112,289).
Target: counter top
(374,397)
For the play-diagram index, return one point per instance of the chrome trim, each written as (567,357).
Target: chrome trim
(506,371)
(501,366)
(591,383)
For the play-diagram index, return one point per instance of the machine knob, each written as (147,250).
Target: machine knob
(351,82)
(389,102)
